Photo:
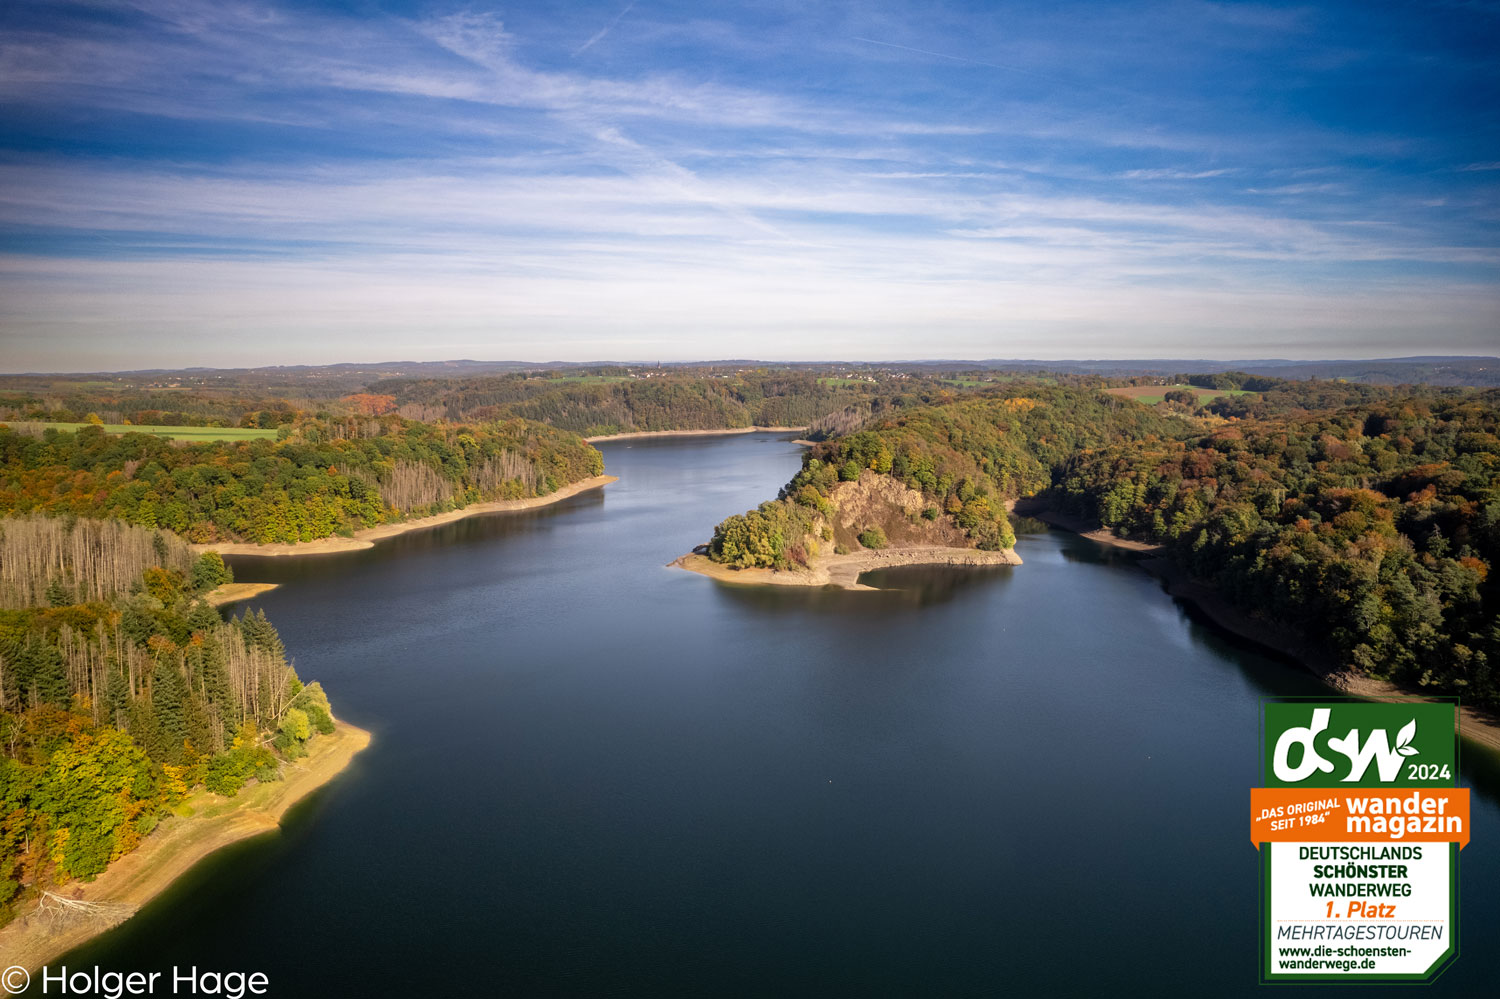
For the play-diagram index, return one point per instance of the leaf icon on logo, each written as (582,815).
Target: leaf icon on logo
(1405,736)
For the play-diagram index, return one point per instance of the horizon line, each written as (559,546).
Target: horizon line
(723,362)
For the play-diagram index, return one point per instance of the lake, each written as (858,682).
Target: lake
(595,775)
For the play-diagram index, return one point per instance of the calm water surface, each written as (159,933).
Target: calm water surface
(593,775)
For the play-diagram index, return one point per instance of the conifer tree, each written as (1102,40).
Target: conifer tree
(169,705)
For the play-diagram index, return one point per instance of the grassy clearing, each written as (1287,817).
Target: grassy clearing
(171,433)
(1153,394)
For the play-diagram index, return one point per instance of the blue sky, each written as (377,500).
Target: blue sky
(231,183)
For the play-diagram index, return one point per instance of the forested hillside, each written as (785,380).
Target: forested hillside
(967,458)
(1375,526)
(122,692)
(1368,519)
(324,477)
(594,402)
(612,402)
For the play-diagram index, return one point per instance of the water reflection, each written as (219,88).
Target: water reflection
(595,775)
(923,585)
(1027,525)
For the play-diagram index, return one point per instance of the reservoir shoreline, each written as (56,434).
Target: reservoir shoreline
(367,537)
(229,593)
(721,432)
(843,571)
(1093,530)
(640,747)
(1475,725)
(172,849)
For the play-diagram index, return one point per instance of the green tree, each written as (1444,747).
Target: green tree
(210,571)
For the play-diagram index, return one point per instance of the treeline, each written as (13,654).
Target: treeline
(593,401)
(967,458)
(1284,399)
(1365,517)
(605,399)
(1268,397)
(154,409)
(115,708)
(612,403)
(1373,528)
(328,477)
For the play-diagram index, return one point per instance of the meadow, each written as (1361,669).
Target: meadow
(170,433)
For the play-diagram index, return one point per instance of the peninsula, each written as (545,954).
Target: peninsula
(1352,528)
(367,537)
(201,825)
(143,730)
(843,571)
(835,522)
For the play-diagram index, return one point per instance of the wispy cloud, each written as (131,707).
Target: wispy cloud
(598,36)
(951,58)
(728,183)
(1162,173)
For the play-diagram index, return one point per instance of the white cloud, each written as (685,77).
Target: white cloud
(494,191)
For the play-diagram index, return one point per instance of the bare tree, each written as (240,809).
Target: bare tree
(412,485)
(90,559)
(493,473)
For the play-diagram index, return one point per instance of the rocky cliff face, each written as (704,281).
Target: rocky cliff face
(880,501)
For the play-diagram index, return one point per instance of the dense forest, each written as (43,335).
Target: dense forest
(1366,517)
(594,401)
(612,402)
(121,691)
(1374,526)
(323,477)
(967,458)
(394,449)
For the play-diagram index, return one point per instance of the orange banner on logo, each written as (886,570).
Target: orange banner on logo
(1359,815)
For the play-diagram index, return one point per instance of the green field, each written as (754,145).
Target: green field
(1153,394)
(171,433)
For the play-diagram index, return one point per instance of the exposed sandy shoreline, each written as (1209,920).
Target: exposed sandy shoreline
(174,847)
(1089,529)
(693,433)
(367,537)
(844,570)
(230,592)
(1478,726)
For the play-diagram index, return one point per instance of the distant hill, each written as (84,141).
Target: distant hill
(1476,371)
(1430,370)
